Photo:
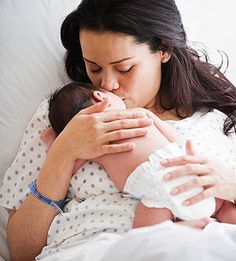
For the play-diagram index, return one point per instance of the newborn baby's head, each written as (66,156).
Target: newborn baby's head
(66,102)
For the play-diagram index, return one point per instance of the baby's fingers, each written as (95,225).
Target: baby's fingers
(200,223)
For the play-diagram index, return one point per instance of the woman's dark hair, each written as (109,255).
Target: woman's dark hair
(188,83)
(66,102)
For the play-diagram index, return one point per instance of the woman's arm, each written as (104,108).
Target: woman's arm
(85,137)
(28,227)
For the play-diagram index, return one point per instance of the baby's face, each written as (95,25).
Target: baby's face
(115,102)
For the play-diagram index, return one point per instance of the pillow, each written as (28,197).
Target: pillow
(31,64)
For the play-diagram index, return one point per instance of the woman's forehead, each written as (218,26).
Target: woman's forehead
(113,46)
(112,37)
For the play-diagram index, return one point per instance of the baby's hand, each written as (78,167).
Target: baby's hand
(48,136)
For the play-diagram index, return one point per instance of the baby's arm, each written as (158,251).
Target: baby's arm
(48,137)
(145,216)
(167,130)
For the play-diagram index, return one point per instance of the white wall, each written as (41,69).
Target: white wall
(212,22)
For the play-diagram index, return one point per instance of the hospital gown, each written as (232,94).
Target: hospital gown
(96,207)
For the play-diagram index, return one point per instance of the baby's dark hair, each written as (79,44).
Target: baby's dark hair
(66,102)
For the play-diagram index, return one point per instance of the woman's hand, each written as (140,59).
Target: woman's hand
(94,132)
(216,179)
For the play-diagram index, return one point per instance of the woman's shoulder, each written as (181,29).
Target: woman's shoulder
(202,115)
(213,116)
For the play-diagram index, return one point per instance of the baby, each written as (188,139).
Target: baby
(137,173)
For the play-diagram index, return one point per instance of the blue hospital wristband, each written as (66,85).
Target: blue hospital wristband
(58,205)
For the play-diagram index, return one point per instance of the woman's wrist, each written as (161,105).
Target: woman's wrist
(55,175)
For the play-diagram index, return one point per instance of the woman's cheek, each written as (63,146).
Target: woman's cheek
(95,80)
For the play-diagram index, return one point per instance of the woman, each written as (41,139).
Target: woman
(136,49)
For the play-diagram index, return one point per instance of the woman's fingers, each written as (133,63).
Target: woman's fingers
(116,120)
(183,160)
(213,176)
(127,124)
(196,182)
(199,197)
(189,169)
(116,148)
(121,135)
(119,115)
(101,131)
(124,134)
(191,157)
(190,148)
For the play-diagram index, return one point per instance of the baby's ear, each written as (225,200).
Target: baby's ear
(99,96)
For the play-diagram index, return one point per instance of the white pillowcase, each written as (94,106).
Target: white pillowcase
(31,64)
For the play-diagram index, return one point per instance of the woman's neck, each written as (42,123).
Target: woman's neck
(165,114)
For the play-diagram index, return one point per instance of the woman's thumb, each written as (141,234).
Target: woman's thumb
(190,148)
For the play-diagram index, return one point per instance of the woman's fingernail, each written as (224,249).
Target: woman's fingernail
(164,161)
(174,191)
(147,121)
(139,115)
(131,145)
(186,203)
(167,177)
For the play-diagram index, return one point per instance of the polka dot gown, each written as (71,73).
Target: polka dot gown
(94,204)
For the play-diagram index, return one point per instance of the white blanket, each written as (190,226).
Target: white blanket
(217,242)
(164,242)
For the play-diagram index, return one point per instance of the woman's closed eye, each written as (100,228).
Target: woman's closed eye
(125,70)
(94,71)
(122,71)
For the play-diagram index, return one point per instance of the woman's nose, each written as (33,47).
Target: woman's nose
(109,83)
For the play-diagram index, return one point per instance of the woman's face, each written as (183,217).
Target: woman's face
(116,63)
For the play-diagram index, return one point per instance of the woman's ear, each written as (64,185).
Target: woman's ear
(165,57)
(99,96)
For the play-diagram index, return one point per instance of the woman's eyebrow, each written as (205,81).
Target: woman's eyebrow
(122,60)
